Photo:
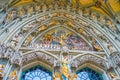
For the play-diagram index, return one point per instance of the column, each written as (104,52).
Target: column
(6,76)
(20,73)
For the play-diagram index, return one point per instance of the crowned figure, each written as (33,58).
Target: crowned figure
(65,68)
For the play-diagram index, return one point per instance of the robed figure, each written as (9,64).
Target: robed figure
(65,68)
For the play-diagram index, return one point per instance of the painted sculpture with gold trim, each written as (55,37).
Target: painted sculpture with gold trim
(13,75)
(1,70)
(112,75)
(65,71)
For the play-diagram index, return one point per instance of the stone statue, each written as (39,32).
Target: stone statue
(93,17)
(21,13)
(13,75)
(30,10)
(56,6)
(68,7)
(2,50)
(102,20)
(27,41)
(111,26)
(9,53)
(10,16)
(17,58)
(37,8)
(50,6)
(86,12)
(44,8)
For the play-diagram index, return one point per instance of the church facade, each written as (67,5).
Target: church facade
(60,40)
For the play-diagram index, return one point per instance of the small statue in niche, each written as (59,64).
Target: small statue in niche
(74,9)
(85,12)
(94,17)
(42,28)
(110,47)
(9,53)
(80,11)
(50,6)
(1,69)
(27,41)
(56,6)
(44,8)
(21,13)
(37,8)
(112,75)
(52,23)
(68,7)
(102,20)
(13,44)
(96,46)
(30,10)
(14,41)
(81,31)
(17,58)
(2,50)
(10,16)
(13,75)
(70,24)
(111,25)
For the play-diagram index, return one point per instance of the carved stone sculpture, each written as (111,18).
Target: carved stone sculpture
(1,70)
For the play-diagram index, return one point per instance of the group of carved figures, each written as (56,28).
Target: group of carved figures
(12,75)
(30,10)
(10,54)
(13,57)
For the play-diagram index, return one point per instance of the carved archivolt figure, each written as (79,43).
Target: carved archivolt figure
(2,50)
(1,70)
(86,12)
(44,8)
(21,13)
(111,26)
(17,58)
(13,75)
(94,17)
(27,41)
(9,53)
(37,8)
(10,16)
(30,10)
(57,76)
(112,75)
(102,20)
